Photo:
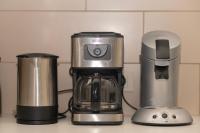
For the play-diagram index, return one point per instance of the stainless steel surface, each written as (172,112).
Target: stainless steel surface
(149,45)
(162,116)
(158,92)
(117,48)
(159,81)
(37,81)
(98,117)
(0,92)
(95,91)
(0,100)
(103,105)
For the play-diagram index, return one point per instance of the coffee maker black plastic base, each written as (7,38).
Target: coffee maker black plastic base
(37,115)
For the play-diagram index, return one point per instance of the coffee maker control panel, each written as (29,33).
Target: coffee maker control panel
(97,52)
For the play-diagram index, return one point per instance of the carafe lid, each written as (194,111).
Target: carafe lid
(160,45)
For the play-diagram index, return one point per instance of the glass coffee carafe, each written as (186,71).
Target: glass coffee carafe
(97,93)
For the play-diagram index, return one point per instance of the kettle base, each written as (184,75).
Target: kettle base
(36,122)
(162,116)
(36,115)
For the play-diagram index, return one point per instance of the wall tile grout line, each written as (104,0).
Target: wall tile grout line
(150,11)
(199,89)
(83,10)
(143,22)
(85,5)
(86,10)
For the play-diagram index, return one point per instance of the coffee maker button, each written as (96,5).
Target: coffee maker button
(164,115)
(97,51)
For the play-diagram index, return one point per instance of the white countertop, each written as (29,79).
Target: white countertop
(8,125)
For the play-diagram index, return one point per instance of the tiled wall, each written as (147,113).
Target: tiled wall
(46,26)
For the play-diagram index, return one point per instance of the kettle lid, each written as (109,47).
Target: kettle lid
(35,55)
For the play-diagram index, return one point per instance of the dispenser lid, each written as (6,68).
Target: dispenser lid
(33,55)
(160,45)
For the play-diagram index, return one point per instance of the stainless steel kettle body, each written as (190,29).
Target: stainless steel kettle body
(37,101)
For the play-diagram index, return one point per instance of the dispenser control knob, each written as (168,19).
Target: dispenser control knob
(164,115)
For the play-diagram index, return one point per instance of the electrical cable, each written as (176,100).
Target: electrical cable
(70,104)
(123,97)
(70,71)
(62,115)
(69,108)
(65,91)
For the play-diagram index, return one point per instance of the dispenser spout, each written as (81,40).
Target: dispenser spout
(161,69)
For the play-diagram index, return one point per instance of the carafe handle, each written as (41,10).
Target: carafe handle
(96,93)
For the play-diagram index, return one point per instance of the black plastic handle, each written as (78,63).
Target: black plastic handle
(96,94)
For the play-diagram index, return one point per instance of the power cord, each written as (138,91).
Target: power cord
(65,91)
(69,108)
(123,97)
(62,115)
